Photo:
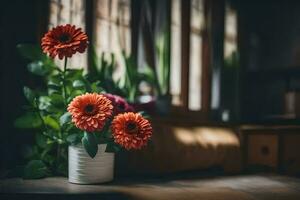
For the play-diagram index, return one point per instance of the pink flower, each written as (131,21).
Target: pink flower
(120,104)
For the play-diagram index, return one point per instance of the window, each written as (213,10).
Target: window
(195,64)
(190,57)
(230,35)
(110,29)
(69,12)
(197,35)
(175,83)
(112,33)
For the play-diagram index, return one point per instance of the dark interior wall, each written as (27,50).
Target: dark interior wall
(20,22)
(269,41)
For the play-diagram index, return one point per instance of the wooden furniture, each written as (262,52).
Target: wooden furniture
(183,146)
(187,187)
(273,147)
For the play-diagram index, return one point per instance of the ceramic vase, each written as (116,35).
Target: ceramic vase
(86,170)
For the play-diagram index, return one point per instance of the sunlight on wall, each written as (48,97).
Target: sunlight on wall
(207,137)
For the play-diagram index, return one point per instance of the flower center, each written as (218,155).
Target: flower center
(64,38)
(89,109)
(131,127)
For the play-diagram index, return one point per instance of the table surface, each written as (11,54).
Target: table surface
(228,187)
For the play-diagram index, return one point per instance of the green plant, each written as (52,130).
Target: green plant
(134,76)
(46,113)
(162,46)
(102,70)
(69,110)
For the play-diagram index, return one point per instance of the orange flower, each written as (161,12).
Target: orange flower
(64,41)
(131,130)
(90,111)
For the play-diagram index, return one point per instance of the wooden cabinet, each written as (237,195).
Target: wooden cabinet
(263,150)
(275,148)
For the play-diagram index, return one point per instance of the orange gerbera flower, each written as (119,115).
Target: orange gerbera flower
(131,130)
(90,111)
(64,41)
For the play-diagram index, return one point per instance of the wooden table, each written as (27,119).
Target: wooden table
(243,187)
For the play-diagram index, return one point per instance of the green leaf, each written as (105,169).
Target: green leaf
(31,52)
(57,99)
(73,74)
(49,159)
(52,137)
(41,140)
(112,147)
(53,109)
(38,68)
(35,169)
(51,122)
(46,151)
(28,120)
(29,94)
(89,142)
(78,84)
(44,102)
(95,87)
(75,93)
(148,75)
(65,118)
(74,139)
(56,88)
(55,82)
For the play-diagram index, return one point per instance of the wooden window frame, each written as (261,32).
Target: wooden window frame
(213,21)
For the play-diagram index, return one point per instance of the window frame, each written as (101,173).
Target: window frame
(213,12)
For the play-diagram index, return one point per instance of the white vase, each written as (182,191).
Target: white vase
(86,170)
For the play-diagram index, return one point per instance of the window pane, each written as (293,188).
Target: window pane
(230,44)
(69,12)
(175,84)
(112,30)
(195,72)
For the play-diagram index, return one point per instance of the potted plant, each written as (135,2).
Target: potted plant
(76,121)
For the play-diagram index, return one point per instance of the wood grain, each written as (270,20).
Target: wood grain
(244,187)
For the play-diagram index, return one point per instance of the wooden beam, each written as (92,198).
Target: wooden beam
(89,27)
(135,22)
(217,51)
(148,34)
(206,62)
(185,51)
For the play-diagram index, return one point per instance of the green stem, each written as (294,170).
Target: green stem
(64,81)
(65,102)
(39,114)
